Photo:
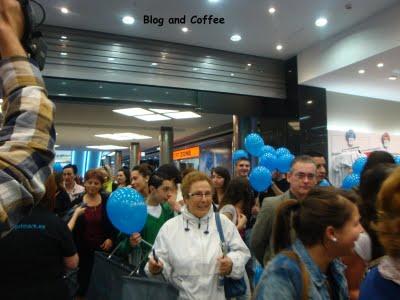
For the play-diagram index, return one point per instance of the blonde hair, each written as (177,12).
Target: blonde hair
(191,178)
(388,206)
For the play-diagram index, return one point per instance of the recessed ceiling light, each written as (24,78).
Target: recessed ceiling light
(187,104)
(106,97)
(392,77)
(132,112)
(279,47)
(125,136)
(128,20)
(154,64)
(64,10)
(309,102)
(380,65)
(249,65)
(63,37)
(362,71)
(232,74)
(148,101)
(185,29)
(107,147)
(111,58)
(152,118)
(183,115)
(63,83)
(100,86)
(62,94)
(64,53)
(163,111)
(321,22)
(236,38)
(213,1)
(272,10)
(195,69)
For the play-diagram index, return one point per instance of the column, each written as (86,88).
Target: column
(134,155)
(166,144)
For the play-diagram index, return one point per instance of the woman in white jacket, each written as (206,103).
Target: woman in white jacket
(188,247)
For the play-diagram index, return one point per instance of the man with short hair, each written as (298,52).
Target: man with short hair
(27,135)
(302,177)
(242,167)
(69,176)
(320,162)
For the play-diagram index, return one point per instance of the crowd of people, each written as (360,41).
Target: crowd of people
(202,230)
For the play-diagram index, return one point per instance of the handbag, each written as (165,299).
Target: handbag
(232,287)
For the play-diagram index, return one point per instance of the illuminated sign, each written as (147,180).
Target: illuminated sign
(186,153)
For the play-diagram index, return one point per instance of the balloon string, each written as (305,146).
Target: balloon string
(115,250)
(147,243)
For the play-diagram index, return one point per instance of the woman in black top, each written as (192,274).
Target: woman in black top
(91,228)
(34,256)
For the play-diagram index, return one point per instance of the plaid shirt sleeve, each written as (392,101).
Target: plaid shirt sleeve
(27,140)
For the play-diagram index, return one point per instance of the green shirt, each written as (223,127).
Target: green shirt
(148,233)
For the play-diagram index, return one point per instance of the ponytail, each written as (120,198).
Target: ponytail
(283,225)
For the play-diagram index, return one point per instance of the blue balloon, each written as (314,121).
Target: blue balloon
(253,143)
(359,164)
(268,160)
(397,159)
(57,168)
(127,210)
(350,181)
(282,151)
(260,178)
(239,154)
(284,162)
(268,149)
(324,182)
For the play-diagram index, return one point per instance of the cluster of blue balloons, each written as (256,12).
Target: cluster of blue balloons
(353,179)
(127,210)
(269,160)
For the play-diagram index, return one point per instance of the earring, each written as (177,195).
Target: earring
(334,239)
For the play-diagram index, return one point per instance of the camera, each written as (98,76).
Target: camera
(32,40)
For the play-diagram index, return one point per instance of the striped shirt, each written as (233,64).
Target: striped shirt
(27,138)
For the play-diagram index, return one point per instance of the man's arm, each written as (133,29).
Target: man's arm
(27,136)
(262,230)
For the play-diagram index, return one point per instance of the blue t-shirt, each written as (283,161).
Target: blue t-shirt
(376,287)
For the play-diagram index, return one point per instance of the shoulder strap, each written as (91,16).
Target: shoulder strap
(305,280)
(219,227)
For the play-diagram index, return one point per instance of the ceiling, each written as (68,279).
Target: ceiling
(374,83)
(292,25)
(78,123)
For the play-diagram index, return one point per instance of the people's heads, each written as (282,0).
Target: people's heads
(108,173)
(242,167)
(171,172)
(320,162)
(69,174)
(327,217)
(220,178)
(187,171)
(58,177)
(378,157)
(94,180)
(302,176)
(197,193)
(385,139)
(350,136)
(48,200)
(140,176)
(159,187)
(123,178)
(388,206)
(370,184)
(238,190)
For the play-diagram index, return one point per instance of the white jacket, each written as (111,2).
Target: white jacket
(190,255)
